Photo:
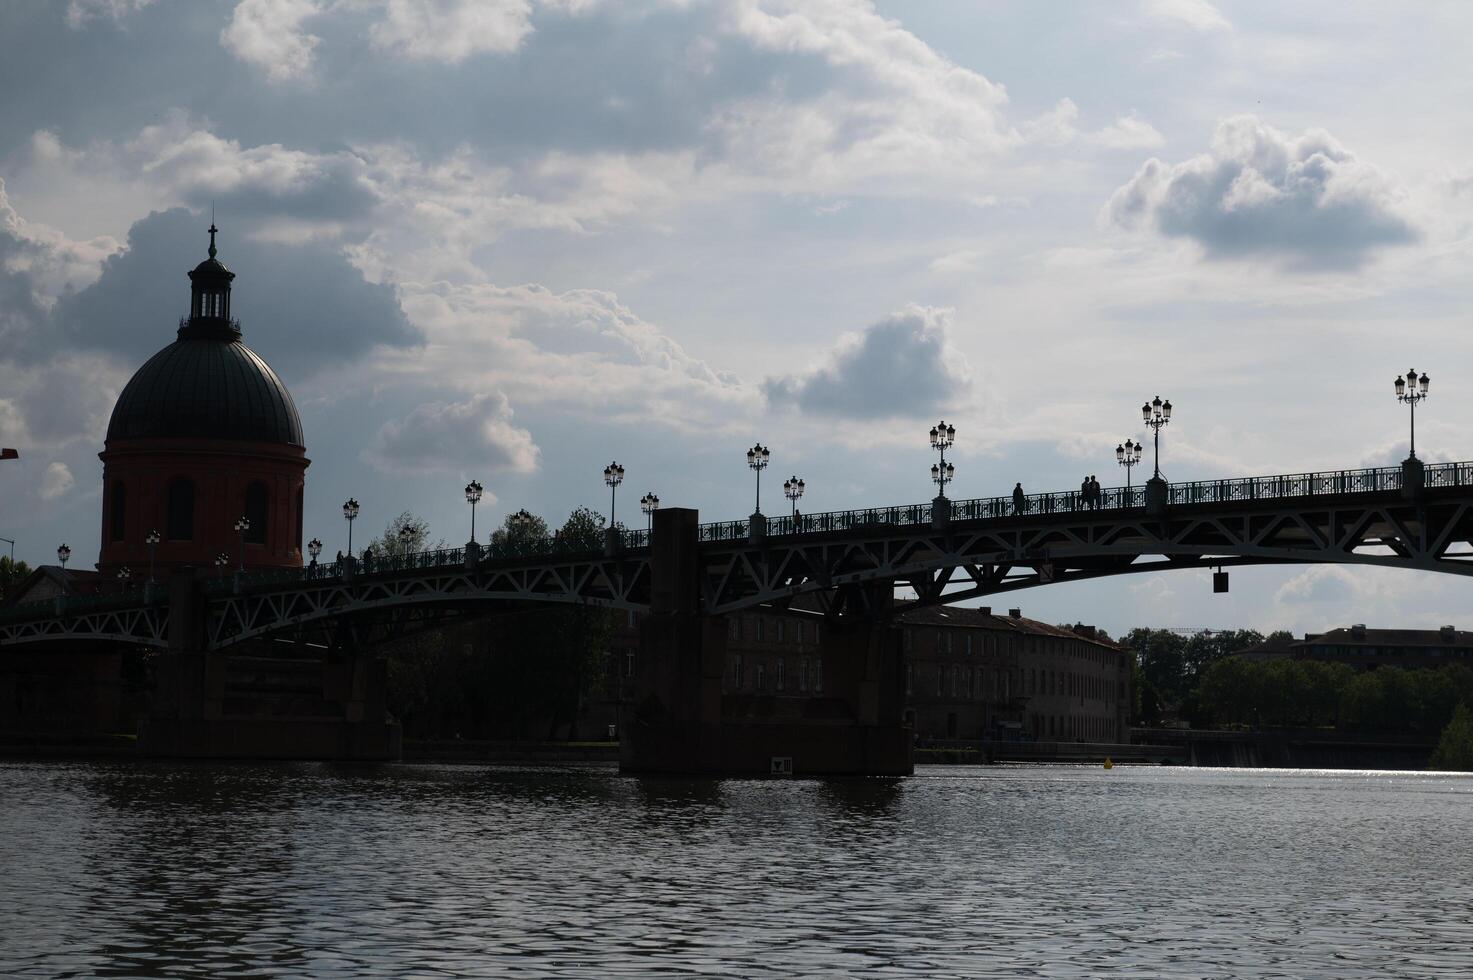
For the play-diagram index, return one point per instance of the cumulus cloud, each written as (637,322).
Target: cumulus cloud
(454,30)
(55,481)
(1060,126)
(268,34)
(79,12)
(1321,583)
(1305,200)
(304,301)
(902,365)
(477,433)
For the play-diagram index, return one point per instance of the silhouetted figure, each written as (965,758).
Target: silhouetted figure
(1094,492)
(1020,502)
(1084,501)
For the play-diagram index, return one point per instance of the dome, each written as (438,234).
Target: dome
(206,386)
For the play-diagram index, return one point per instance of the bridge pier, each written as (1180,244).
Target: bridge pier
(261,704)
(685,723)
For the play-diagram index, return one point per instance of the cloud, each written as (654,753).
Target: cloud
(268,35)
(1305,200)
(1321,583)
(79,12)
(55,481)
(302,306)
(1196,14)
(902,365)
(1060,126)
(453,30)
(457,436)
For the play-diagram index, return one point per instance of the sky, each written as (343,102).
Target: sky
(512,240)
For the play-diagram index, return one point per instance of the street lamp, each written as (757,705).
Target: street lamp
(152,539)
(613,476)
(62,554)
(793,489)
(221,560)
(406,538)
(350,514)
(473,492)
(241,527)
(942,437)
(650,503)
(757,458)
(1411,390)
(124,574)
(1156,413)
(1128,454)
(314,548)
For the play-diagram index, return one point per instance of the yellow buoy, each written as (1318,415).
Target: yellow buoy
(1109,764)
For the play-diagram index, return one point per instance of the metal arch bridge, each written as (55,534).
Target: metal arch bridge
(983,546)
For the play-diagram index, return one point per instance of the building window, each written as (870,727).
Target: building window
(736,670)
(802,632)
(119,511)
(257,508)
(940,679)
(761,675)
(815,632)
(781,624)
(953,680)
(969,644)
(734,630)
(909,677)
(181,510)
(782,670)
(803,673)
(818,674)
(628,662)
(761,629)
(971,683)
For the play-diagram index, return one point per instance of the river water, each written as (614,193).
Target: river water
(158,870)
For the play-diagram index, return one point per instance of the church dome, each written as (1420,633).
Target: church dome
(207,384)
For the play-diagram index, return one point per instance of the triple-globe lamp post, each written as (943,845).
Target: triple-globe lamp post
(314,548)
(1128,455)
(1156,413)
(473,491)
(151,539)
(124,575)
(793,490)
(649,503)
(1412,390)
(350,514)
(757,459)
(613,476)
(62,554)
(241,527)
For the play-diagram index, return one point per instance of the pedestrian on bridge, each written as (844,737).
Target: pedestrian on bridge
(1020,502)
(1084,501)
(1094,493)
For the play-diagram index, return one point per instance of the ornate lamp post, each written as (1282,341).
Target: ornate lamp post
(1412,390)
(757,458)
(1128,454)
(241,527)
(473,492)
(1155,414)
(124,574)
(221,560)
(314,548)
(942,437)
(406,538)
(62,554)
(649,503)
(793,489)
(151,539)
(350,514)
(613,476)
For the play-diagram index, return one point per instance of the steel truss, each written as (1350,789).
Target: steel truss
(842,570)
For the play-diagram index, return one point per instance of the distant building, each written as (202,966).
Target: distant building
(1367,648)
(969,674)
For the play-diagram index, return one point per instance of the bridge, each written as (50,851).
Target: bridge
(848,564)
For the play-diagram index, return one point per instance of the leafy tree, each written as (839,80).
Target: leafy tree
(394,542)
(11,574)
(521,533)
(1455,748)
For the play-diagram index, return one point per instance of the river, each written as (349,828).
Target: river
(168,870)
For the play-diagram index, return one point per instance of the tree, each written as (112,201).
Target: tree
(1455,748)
(11,574)
(394,542)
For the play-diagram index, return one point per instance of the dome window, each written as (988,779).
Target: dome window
(118,519)
(257,507)
(181,509)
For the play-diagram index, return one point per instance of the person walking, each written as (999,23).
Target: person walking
(1094,493)
(1020,502)
(1084,501)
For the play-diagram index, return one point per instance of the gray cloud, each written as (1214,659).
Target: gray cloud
(1258,192)
(902,365)
(477,433)
(302,306)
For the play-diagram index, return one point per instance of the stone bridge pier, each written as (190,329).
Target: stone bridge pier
(269,701)
(683,721)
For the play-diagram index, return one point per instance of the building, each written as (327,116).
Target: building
(1368,648)
(969,674)
(204,450)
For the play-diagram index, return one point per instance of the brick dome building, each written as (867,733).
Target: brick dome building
(203,435)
